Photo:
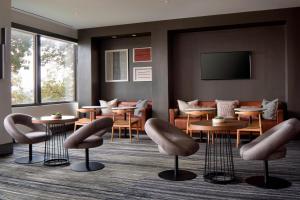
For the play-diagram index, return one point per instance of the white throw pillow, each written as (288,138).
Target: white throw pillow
(271,108)
(226,108)
(182,105)
(109,105)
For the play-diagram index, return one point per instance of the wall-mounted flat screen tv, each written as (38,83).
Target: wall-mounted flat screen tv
(226,65)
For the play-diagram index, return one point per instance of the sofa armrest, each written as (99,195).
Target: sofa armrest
(172,115)
(280,116)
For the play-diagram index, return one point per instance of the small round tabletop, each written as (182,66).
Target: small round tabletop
(228,125)
(94,107)
(124,108)
(50,120)
(200,109)
(249,109)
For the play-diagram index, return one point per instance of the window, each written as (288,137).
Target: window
(57,70)
(22,67)
(43,69)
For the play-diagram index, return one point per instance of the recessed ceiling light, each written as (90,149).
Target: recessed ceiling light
(114,37)
(133,35)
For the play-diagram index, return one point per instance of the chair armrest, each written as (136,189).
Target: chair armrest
(280,116)
(173,112)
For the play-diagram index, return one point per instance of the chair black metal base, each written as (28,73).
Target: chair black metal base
(273,182)
(219,178)
(181,175)
(267,181)
(29,160)
(86,167)
(176,174)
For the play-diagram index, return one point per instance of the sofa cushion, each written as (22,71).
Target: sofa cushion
(226,108)
(271,108)
(109,105)
(140,105)
(182,105)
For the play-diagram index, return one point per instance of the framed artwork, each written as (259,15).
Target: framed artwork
(142,54)
(116,65)
(142,74)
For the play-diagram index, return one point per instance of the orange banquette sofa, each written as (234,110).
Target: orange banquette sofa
(146,113)
(180,121)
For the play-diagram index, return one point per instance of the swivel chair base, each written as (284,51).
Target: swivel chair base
(176,174)
(29,160)
(267,181)
(87,165)
(272,183)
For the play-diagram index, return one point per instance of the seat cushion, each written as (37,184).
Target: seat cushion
(90,142)
(37,136)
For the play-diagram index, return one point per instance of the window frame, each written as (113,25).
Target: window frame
(37,62)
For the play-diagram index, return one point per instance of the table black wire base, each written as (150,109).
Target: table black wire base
(55,153)
(219,167)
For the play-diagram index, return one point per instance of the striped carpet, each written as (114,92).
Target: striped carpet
(131,173)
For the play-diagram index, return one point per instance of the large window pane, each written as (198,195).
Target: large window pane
(57,70)
(22,67)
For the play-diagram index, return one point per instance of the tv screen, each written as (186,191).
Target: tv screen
(226,65)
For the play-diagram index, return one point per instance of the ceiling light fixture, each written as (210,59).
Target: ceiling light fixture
(114,37)
(133,35)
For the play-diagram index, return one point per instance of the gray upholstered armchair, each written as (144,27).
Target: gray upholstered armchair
(35,134)
(172,141)
(270,146)
(86,137)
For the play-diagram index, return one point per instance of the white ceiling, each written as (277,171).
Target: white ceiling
(96,13)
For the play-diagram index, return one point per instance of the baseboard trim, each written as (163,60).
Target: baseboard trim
(6,149)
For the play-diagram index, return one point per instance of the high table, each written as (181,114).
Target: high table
(124,110)
(93,110)
(219,166)
(197,112)
(55,154)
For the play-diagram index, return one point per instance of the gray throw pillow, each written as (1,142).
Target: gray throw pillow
(271,108)
(109,105)
(225,108)
(182,105)
(140,105)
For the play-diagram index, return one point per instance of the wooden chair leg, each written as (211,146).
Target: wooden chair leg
(130,134)
(191,133)
(75,126)
(119,133)
(137,135)
(112,134)
(237,139)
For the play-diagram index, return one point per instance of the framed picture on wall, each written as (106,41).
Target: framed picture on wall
(116,65)
(142,74)
(142,54)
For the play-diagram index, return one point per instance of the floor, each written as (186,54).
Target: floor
(131,173)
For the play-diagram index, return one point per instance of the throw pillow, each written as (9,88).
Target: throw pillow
(182,105)
(140,105)
(226,108)
(271,108)
(109,105)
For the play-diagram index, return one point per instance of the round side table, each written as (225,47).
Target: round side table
(55,153)
(219,166)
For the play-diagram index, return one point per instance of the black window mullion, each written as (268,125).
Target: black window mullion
(38,97)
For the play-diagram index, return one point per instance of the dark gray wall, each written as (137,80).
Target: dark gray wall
(122,90)
(87,64)
(267,46)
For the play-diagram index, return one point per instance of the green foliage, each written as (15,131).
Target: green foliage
(57,65)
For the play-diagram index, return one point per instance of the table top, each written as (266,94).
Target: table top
(249,109)
(228,125)
(200,109)
(124,108)
(94,107)
(50,120)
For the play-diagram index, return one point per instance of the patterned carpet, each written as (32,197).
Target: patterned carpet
(131,173)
